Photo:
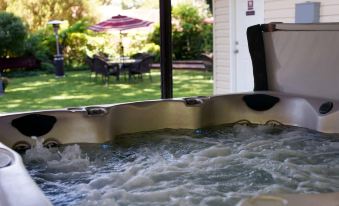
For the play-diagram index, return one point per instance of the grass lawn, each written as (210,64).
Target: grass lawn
(76,89)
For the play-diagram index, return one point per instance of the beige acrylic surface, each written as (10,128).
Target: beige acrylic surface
(76,125)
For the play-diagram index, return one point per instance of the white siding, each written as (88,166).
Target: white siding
(221,48)
(284,10)
(275,11)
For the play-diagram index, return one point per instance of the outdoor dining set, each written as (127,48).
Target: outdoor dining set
(137,65)
(130,68)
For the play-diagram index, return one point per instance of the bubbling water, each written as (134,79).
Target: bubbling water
(216,166)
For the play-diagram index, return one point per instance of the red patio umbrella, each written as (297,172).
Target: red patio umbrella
(119,23)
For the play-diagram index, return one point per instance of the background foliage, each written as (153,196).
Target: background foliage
(37,13)
(190,36)
(12,35)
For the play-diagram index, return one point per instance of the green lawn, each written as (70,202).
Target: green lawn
(76,89)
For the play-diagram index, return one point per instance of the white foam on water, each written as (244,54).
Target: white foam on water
(216,167)
(38,153)
(69,160)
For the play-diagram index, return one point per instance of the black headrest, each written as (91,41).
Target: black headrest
(34,124)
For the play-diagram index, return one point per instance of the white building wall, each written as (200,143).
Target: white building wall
(284,10)
(221,47)
(275,11)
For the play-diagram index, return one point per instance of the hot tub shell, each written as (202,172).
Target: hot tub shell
(281,96)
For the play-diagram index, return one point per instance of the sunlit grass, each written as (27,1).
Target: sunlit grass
(77,89)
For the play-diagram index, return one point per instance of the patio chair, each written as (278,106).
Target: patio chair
(105,69)
(143,65)
(89,62)
(139,55)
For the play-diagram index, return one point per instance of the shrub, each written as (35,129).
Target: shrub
(77,42)
(152,49)
(75,49)
(73,40)
(138,44)
(38,44)
(188,32)
(207,34)
(190,36)
(12,35)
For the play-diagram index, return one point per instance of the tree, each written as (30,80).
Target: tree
(12,35)
(187,32)
(3,5)
(190,36)
(38,12)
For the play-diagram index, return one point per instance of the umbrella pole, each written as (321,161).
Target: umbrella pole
(121,48)
(121,51)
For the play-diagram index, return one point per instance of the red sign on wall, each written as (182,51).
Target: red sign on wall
(250,8)
(249,5)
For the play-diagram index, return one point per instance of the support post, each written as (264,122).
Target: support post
(166,49)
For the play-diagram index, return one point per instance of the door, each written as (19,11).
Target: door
(247,13)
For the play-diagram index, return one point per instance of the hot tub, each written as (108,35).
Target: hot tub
(290,89)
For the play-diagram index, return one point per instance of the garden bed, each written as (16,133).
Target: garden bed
(27,62)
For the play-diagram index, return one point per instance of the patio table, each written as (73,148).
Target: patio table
(123,65)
